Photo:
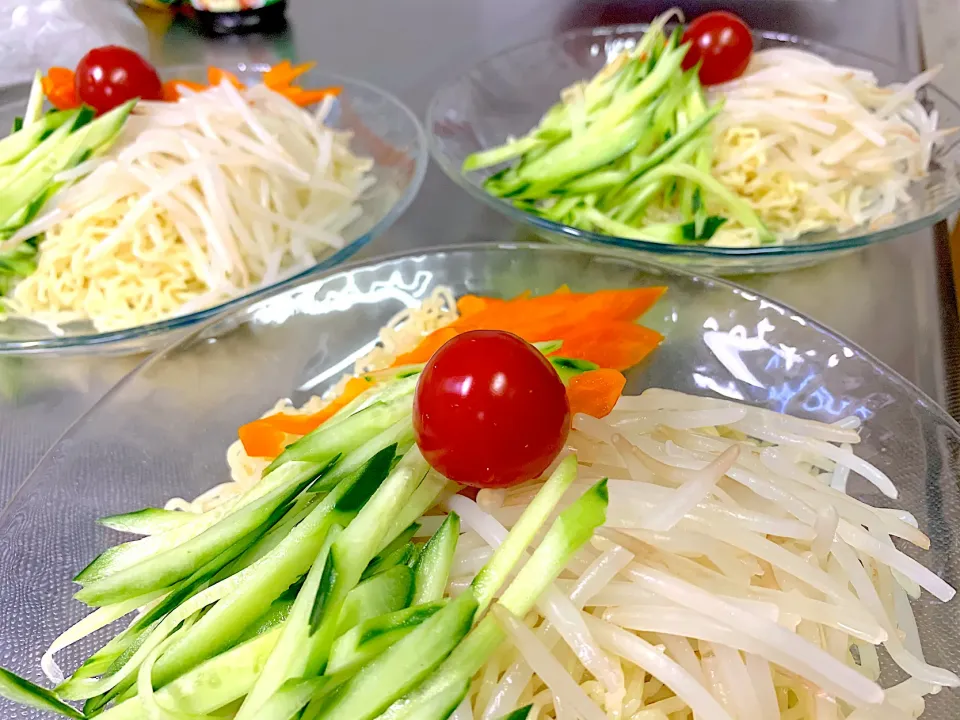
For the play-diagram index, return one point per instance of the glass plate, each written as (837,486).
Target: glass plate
(164,431)
(508,93)
(383,128)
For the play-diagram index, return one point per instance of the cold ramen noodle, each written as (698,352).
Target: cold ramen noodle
(654,556)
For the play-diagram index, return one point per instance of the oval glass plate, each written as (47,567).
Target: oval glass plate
(164,430)
(507,94)
(383,129)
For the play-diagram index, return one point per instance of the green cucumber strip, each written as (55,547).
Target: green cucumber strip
(353,551)
(291,698)
(208,687)
(34,111)
(38,149)
(149,521)
(736,206)
(333,438)
(86,137)
(384,593)
(432,569)
(569,368)
(17,125)
(19,261)
(598,181)
(90,624)
(422,500)
(274,573)
(399,434)
(646,90)
(445,689)
(582,154)
(500,154)
(396,553)
(401,667)
(286,661)
(666,149)
(23,692)
(372,637)
(135,552)
(276,615)
(510,552)
(17,146)
(182,561)
(518,714)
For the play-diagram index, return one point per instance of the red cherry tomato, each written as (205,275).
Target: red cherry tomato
(490,410)
(111,75)
(723,42)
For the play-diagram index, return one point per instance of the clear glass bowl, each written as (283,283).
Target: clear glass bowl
(383,129)
(507,94)
(164,430)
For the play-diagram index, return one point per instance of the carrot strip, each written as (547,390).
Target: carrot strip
(266,437)
(261,439)
(306,98)
(471,304)
(303,424)
(595,392)
(284,74)
(61,75)
(621,304)
(215,76)
(60,89)
(612,344)
(425,350)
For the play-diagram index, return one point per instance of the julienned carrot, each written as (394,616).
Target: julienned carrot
(267,436)
(610,344)
(472,304)
(59,86)
(423,352)
(261,439)
(595,392)
(306,98)
(565,316)
(215,76)
(283,74)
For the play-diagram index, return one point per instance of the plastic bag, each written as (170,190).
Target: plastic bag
(39,34)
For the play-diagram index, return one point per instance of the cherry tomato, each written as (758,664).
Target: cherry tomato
(111,75)
(723,42)
(490,410)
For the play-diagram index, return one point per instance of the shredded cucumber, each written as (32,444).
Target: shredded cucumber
(591,160)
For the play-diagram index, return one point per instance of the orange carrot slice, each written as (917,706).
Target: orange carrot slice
(425,350)
(612,344)
(215,76)
(60,89)
(620,304)
(471,304)
(284,74)
(595,392)
(267,436)
(306,98)
(261,439)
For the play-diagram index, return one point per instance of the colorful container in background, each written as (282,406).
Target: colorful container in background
(235,17)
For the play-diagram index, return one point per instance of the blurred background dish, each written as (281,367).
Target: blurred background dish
(381,133)
(506,95)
